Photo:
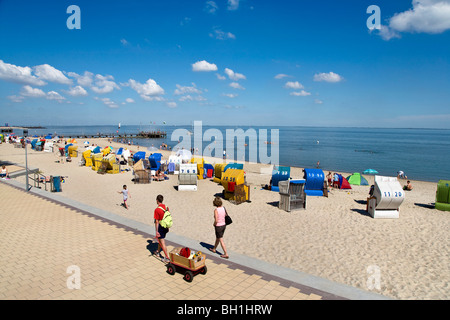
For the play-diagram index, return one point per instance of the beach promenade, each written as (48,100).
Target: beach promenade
(44,242)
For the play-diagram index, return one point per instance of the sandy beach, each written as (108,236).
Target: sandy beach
(334,238)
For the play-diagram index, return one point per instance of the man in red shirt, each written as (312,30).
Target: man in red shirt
(159,230)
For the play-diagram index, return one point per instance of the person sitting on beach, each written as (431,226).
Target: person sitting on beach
(371,191)
(159,176)
(4,172)
(408,186)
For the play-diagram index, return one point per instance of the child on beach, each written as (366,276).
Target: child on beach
(126,195)
(4,172)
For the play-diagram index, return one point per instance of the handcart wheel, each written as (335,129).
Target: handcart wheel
(171,269)
(188,276)
(204,270)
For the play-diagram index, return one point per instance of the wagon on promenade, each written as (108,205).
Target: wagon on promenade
(188,263)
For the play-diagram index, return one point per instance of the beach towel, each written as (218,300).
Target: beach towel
(231,186)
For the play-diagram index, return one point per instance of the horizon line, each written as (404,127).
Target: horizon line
(41,126)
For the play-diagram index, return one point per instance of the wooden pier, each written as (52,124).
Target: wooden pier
(142,135)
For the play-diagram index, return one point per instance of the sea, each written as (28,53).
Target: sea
(422,154)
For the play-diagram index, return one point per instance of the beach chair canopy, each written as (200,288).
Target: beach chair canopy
(155,161)
(208,169)
(67,146)
(138,156)
(279,174)
(239,166)
(314,182)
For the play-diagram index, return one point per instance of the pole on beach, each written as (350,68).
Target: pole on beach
(25,133)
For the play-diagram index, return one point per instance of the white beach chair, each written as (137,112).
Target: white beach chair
(387,197)
(187,178)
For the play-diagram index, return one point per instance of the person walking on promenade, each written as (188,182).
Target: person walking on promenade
(160,231)
(219,226)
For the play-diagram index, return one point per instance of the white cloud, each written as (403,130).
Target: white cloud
(387,33)
(211,7)
(15,98)
(186,98)
(129,100)
(220,77)
(281,76)
(233,4)
(84,80)
(428,16)
(171,104)
(53,95)
(108,102)
(234,76)
(230,95)
(302,93)
(28,91)
(293,85)
(236,85)
(77,91)
(49,73)
(124,42)
(191,98)
(104,84)
(149,90)
(203,66)
(233,107)
(425,16)
(17,74)
(328,77)
(221,35)
(317,101)
(183,90)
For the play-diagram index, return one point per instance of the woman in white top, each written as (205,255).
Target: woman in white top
(219,226)
(4,172)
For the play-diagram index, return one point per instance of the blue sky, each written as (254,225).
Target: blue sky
(236,62)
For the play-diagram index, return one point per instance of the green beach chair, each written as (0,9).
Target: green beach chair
(443,195)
